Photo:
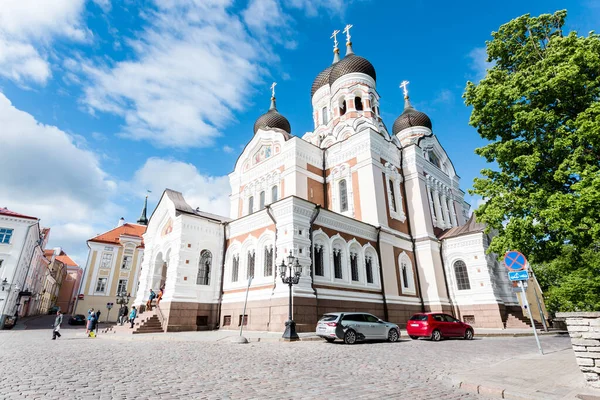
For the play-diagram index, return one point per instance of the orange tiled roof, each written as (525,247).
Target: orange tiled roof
(6,211)
(113,235)
(62,257)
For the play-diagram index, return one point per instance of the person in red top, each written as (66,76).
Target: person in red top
(160,294)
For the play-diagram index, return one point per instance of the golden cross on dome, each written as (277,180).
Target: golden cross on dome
(347,32)
(334,37)
(403,85)
(273,89)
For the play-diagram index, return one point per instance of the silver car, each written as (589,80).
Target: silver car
(355,326)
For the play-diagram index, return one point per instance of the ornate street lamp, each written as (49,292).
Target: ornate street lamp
(123,298)
(290,275)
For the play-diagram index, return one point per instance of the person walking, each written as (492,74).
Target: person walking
(150,298)
(121,315)
(132,316)
(125,315)
(97,321)
(56,327)
(90,321)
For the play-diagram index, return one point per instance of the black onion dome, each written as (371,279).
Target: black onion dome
(349,64)
(272,119)
(409,118)
(321,80)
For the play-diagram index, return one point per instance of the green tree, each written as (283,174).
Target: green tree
(538,106)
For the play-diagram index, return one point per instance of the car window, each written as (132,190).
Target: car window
(438,317)
(328,318)
(419,317)
(371,318)
(449,318)
(354,317)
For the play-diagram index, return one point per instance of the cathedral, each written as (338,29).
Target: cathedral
(375,218)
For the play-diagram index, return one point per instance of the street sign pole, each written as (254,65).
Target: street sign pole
(526,305)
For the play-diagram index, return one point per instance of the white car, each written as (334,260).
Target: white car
(355,326)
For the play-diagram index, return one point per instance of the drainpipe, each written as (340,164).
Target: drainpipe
(325,196)
(452,307)
(312,248)
(412,239)
(222,274)
(378,249)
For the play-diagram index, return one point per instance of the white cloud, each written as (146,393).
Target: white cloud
(228,149)
(28,28)
(194,65)
(105,5)
(479,63)
(445,96)
(210,193)
(48,176)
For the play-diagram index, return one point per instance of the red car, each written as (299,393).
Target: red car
(436,326)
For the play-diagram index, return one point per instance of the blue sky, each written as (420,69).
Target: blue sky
(103,99)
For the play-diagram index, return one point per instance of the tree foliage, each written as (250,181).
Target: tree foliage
(538,107)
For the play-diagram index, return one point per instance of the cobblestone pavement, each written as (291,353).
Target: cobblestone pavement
(34,366)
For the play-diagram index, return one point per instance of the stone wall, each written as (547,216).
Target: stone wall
(584,329)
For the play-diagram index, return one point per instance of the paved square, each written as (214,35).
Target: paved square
(34,366)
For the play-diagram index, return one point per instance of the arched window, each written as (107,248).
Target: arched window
(250,204)
(262,200)
(358,103)
(343,196)
(204,268)
(268,261)
(235,268)
(251,257)
(392,195)
(324,116)
(462,276)
(406,274)
(434,159)
(343,108)
(273,194)
(404,267)
(354,266)
(369,268)
(319,268)
(337,263)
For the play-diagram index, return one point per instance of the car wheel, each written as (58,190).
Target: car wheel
(350,337)
(436,336)
(393,335)
(469,334)
(414,337)
(330,340)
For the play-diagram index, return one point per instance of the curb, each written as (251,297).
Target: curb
(514,393)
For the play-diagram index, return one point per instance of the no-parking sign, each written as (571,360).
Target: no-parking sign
(514,260)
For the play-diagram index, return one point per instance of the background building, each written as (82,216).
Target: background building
(113,267)
(19,243)
(68,289)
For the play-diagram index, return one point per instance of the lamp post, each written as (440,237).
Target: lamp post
(290,275)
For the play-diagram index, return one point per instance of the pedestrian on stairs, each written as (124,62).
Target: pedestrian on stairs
(56,327)
(150,298)
(161,292)
(132,316)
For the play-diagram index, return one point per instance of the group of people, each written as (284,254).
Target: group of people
(93,319)
(153,296)
(127,316)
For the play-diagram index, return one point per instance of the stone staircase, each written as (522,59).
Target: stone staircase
(519,321)
(146,322)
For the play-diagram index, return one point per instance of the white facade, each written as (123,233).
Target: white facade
(16,255)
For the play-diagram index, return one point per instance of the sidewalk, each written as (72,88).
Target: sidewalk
(532,376)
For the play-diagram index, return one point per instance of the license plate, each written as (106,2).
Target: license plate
(414,324)
(321,328)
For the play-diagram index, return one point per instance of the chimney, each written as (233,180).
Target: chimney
(121,222)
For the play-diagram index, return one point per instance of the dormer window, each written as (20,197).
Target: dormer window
(358,103)
(343,108)
(324,116)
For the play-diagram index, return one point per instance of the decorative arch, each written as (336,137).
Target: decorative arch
(339,258)
(405,270)
(232,263)
(265,256)
(204,268)
(371,265)
(461,275)
(248,258)
(340,179)
(355,255)
(321,252)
